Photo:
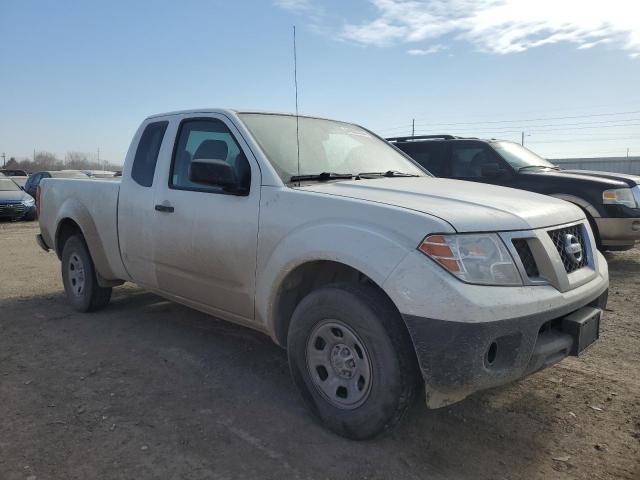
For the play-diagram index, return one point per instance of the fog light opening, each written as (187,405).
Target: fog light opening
(492,352)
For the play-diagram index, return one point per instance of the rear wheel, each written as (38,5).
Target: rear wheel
(79,277)
(352,359)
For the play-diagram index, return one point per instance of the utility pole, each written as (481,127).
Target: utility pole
(413,127)
(4,163)
(522,140)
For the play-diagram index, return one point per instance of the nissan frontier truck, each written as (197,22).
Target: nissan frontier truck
(378,279)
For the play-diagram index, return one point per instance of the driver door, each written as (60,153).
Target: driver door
(205,239)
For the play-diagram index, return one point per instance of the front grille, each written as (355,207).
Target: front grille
(11,210)
(571,261)
(526,257)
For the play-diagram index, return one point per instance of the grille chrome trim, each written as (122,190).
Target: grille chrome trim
(560,236)
(12,209)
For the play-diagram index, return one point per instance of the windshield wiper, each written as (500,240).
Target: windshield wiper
(321,177)
(539,166)
(388,173)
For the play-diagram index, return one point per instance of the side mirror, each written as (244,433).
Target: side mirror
(491,170)
(217,173)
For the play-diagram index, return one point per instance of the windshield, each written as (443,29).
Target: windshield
(519,157)
(325,146)
(7,185)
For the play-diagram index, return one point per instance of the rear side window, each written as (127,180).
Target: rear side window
(431,155)
(144,163)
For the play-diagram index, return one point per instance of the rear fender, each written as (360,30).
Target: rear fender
(73,210)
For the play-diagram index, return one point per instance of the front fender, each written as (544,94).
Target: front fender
(369,250)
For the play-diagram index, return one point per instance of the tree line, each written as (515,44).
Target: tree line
(48,161)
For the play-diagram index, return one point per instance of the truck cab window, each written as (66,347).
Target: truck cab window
(144,163)
(206,139)
(471,161)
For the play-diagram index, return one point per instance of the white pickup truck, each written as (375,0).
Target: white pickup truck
(374,275)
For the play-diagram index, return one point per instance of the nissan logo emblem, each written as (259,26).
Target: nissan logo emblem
(573,248)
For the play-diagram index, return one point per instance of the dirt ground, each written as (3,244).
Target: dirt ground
(150,389)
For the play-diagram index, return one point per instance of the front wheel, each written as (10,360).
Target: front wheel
(79,277)
(352,359)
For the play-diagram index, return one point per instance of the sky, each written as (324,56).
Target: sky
(82,75)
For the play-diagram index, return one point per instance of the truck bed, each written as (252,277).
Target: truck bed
(95,203)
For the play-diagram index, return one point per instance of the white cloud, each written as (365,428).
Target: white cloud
(294,5)
(300,7)
(502,26)
(426,51)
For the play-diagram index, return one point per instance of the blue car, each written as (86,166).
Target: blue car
(15,204)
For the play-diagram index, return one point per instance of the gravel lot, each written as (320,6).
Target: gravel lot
(150,389)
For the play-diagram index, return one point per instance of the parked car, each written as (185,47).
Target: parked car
(15,204)
(34,179)
(610,201)
(368,277)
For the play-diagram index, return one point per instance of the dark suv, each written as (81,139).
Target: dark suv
(611,201)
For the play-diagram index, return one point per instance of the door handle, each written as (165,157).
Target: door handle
(164,208)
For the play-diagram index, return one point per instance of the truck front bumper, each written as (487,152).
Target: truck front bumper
(471,337)
(459,358)
(618,232)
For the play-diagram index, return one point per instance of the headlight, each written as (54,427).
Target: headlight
(619,196)
(29,202)
(474,258)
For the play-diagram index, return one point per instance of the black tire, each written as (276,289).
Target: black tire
(393,367)
(89,296)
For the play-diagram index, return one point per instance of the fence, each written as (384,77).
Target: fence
(605,164)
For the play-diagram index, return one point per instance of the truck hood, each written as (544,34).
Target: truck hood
(630,180)
(606,179)
(467,206)
(13,196)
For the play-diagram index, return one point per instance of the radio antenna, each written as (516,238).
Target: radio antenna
(295,81)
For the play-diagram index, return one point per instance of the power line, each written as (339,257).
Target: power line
(567,117)
(532,129)
(599,122)
(569,140)
(618,152)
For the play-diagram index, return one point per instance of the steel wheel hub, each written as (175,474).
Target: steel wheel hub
(339,364)
(342,361)
(76,275)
